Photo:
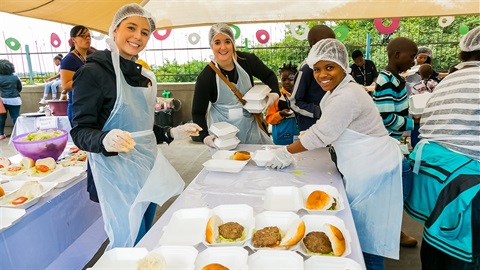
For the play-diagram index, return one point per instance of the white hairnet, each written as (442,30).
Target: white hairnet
(131,10)
(471,41)
(329,49)
(424,50)
(221,28)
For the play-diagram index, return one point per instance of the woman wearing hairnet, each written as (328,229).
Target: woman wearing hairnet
(113,110)
(214,99)
(369,159)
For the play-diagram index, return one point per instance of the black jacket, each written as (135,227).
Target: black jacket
(94,95)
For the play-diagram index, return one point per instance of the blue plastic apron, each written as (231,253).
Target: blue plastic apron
(129,182)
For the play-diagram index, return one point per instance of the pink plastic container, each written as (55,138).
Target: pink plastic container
(59,107)
(41,149)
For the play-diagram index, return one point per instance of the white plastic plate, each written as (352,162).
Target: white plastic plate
(331,263)
(186,227)
(275,259)
(64,176)
(121,258)
(6,200)
(230,257)
(26,177)
(417,103)
(261,157)
(178,257)
(282,220)
(221,165)
(11,186)
(9,216)
(316,223)
(223,130)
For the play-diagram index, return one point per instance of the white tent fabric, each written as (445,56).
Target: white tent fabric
(97,15)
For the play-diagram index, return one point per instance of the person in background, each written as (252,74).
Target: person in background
(426,85)
(390,97)
(306,95)
(368,158)
(279,114)
(446,187)
(53,82)
(363,71)
(213,99)
(10,88)
(81,39)
(113,115)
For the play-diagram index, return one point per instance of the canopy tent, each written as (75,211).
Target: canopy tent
(98,15)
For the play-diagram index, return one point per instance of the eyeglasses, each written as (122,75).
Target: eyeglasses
(84,36)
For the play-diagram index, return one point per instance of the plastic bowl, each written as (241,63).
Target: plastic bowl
(59,107)
(41,149)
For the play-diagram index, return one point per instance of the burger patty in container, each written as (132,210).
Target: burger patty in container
(231,230)
(318,242)
(267,237)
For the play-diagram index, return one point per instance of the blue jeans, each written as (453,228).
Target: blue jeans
(53,87)
(407,178)
(14,111)
(373,262)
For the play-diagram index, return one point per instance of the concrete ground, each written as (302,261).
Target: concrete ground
(187,157)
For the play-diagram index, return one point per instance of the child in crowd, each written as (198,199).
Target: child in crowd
(53,82)
(279,114)
(426,85)
(391,98)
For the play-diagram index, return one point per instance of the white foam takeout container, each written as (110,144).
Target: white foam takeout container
(121,258)
(316,223)
(240,213)
(331,263)
(9,216)
(261,157)
(225,155)
(226,144)
(178,257)
(257,93)
(224,165)
(276,259)
(256,106)
(417,103)
(283,220)
(223,130)
(5,201)
(290,198)
(230,257)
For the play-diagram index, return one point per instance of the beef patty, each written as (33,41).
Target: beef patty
(267,237)
(318,242)
(231,230)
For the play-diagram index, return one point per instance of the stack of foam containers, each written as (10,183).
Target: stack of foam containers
(226,135)
(256,98)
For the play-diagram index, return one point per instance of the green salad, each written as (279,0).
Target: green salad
(42,135)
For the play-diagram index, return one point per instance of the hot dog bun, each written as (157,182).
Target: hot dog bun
(27,162)
(214,266)
(336,238)
(241,155)
(5,162)
(211,231)
(319,200)
(50,162)
(294,233)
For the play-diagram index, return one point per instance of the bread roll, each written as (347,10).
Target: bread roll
(153,261)
(30,189)
(27,162)
(294,233)
(4,162)
(2,192)
(319,200)
(241,155)
(336,238)
(49,162)
(211,231)
(214,266)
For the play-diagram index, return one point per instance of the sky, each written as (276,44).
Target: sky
(180,44)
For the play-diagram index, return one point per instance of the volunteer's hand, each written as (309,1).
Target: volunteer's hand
(272,97)
(285,112)
(281,159)
(118,141)
(209,141)
(63,96)
(185,131)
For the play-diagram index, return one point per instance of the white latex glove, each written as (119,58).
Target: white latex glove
(281,159)
(118,141)
(209,141)
(272,97)
(185,131)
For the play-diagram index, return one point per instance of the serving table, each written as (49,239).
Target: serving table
(26,124)
(62,231)
(210,189)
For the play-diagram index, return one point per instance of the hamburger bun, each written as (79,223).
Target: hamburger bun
(294,233)
(49,162)
(4,162)
(241,155)
(336,238)
(214,266)
(319,200)
(2,192)
(27,162)
(211,231)
(153,261)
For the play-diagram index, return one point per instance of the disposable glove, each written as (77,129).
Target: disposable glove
(209,141)
(185,131)
(281,159)
(63,97)
(272,97)
(118,141)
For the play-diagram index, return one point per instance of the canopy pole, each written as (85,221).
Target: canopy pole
(367,49)
(29,62)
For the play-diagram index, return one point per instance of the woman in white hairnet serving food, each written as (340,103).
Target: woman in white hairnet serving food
(368,158)
(113,116)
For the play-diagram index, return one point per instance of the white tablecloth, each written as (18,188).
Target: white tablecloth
(211,189)
(28,124)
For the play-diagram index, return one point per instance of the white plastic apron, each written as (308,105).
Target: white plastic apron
(127,183)
(372,173)
(250,132)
